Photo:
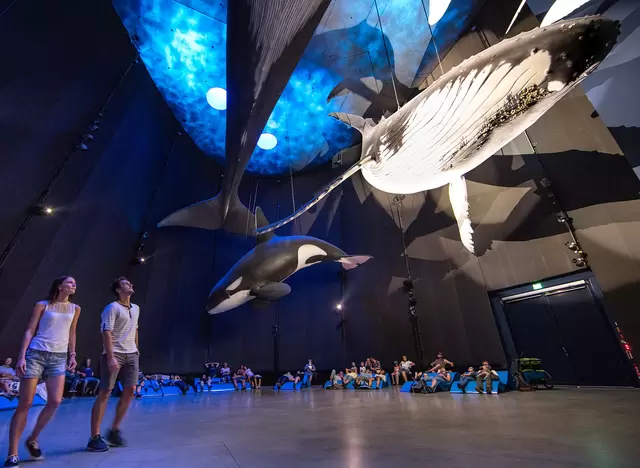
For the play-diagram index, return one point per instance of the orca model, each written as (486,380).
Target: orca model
(472,111)
(259,275)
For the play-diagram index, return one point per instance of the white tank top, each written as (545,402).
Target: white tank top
(53,329)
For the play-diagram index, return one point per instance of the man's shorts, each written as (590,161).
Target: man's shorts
(127,374)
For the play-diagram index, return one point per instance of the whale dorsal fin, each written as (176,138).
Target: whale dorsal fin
(262,221)
(361,124)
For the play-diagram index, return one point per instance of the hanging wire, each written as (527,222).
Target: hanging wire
(293,199)
(384,43)
(435,46)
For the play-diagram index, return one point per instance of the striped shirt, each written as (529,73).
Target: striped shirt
(122,322)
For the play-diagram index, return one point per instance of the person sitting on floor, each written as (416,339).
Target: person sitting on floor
(443,375)
(86,372)
(287,377)
(395,375)
(255,380)
(309,371)
(466,378)
(240,376)
(405,368)
(487,374)
(439,362)
(225,372)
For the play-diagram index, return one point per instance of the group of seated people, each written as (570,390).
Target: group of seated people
(361,377)
(84,376)
(157,381)
(240,378)
(442,374)
(9,382)
(309,372)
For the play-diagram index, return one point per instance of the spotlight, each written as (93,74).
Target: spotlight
(562,218)
(41,210)
(139,260)
(339,306)
(82,147)
(579,262)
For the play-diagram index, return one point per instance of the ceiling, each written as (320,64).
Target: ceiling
(183,45)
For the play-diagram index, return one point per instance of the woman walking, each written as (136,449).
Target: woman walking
(49,339)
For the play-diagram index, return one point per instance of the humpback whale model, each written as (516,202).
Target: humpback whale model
(265,40)
(472,111)
(259,275)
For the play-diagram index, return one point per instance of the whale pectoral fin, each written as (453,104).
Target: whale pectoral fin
(352,261)
(460,205)
(271,291)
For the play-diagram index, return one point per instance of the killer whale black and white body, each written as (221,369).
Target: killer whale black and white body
(261,272)
(472,111)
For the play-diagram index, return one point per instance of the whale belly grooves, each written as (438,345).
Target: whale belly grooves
(422,150)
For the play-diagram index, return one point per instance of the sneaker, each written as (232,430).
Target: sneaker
(34,450)
(462,389)
(12,460)
(114,438)
(479,390)
(97,444)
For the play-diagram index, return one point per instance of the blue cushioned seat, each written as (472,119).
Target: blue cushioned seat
(8,404)
(170,390)
(441,387)
(497,386)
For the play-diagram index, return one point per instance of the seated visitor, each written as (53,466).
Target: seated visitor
(89,382)
(466,378)
(225,372)
(71,380)
(240,376)
(350,375)
(365,373)
(378,373)
(338,380)
(395,375)
(176,381)
(309,371)
(213,369)
(405,368)
(443,375)
(487,374)
(205,382)
(7,377)
(439,362)
(287,377)
(255,380)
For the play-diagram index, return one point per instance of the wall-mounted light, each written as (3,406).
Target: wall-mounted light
(339,306)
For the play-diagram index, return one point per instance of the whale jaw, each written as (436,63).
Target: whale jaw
(233,301)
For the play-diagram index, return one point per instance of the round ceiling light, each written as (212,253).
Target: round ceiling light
(217,98)
(437,9)
(267,141)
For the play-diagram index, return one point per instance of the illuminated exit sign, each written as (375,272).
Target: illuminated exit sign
(536,286)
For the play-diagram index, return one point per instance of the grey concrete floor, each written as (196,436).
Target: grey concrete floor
(577,427)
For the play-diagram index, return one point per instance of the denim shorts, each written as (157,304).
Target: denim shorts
(43,364)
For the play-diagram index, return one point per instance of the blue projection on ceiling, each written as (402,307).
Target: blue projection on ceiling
(183,45)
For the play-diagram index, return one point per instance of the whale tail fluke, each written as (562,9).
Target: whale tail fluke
(210,214)
(352,261)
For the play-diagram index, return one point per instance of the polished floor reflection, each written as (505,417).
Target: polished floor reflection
(578,427)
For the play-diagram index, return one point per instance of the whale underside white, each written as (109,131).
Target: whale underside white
(472,111)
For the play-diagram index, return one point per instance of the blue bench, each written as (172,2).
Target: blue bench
(171,391)
(441,387)
(216,387)
(497,386)
(386,382)
(11,404)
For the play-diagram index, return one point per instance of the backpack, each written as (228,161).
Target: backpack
(418,386)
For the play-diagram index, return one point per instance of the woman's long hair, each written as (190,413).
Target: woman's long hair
(53,290)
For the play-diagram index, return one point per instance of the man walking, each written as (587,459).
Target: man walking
(119,359)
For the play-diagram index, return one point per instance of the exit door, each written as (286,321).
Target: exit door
(566,327)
